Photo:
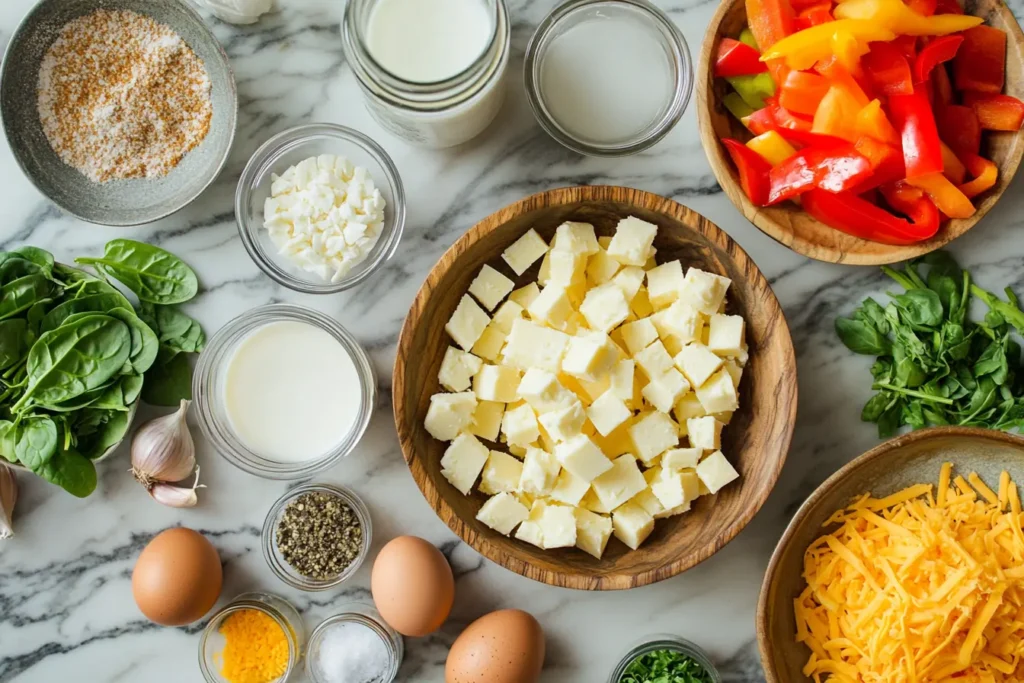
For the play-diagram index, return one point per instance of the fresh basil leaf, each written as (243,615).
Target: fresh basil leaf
(71,471)
(153,274)
(170,383)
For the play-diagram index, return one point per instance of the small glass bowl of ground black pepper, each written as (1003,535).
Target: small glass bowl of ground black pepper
(665,657)
(316,536)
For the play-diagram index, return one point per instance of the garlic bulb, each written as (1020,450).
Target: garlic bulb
(8,497)
(163,452)
(239,11)
(176,496)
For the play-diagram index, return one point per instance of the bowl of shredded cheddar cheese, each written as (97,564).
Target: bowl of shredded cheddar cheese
(907,565)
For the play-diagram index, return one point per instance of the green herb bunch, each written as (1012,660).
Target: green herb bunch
(936,366)
(76,355)
(665,666)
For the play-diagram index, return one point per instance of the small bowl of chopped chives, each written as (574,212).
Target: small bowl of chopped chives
(665,658)
(320,208)
(257,638)
(316,536)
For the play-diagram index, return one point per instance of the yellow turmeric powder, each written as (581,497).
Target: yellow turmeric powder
(255,648)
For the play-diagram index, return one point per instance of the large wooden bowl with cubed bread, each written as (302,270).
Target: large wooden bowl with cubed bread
(787,223)
(756,440)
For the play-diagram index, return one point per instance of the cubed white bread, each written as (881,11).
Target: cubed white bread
(604,307)
(463,461)
(457,369)
(503,513)
(519,425)
(449,414)
(715,472)
(592,532)
(532,346)
(467,323)
(490,287)
(525,251)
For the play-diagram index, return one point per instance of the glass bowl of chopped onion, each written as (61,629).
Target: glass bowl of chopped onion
(320,208)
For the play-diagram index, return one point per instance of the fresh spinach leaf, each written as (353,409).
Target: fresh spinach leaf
(95,303)
(35,441)
(145,345)
(20,294)
(170,383)
(178,331)
(862,337)
(71,471)
(107,435)
(920,307)
(14,341)
(153,274)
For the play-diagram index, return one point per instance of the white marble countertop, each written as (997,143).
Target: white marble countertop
(66,611)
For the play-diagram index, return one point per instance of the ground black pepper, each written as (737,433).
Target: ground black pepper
(319,535)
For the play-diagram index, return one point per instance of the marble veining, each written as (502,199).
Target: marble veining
(66,611)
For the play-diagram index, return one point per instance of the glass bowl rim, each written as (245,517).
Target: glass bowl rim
(350,612)
(246,601)
(293,578)
(212,359)
(666,641)
(259,164)
(648,137)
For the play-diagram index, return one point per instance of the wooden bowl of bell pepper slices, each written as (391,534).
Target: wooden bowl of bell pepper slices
(887,131)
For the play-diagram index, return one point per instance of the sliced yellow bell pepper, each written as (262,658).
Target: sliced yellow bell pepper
(896,16)
(848,50)
(772,146)
(802,49)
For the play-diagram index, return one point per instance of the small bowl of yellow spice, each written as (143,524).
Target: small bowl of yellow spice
(257,638)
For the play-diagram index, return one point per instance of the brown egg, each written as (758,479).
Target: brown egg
(412,585)
(501,647)
(177,578)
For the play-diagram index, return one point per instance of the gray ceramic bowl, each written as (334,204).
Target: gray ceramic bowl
(125,202)
(913,458)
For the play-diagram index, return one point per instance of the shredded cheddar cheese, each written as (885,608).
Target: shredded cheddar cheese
(922,586)
(255,648)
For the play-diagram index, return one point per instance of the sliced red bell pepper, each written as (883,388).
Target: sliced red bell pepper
(942,89)
(984,172)
(837,115)
(925,8)
(802,91)
(785,118)
(912,116)
(800,5)
(855,216)
(753,170)
(948,7)
(907,45)
(952,167)
(771,21)
(872,122)
(959,128)
(815,15)
(805,138)
(737,59)
(980,62)
(833,170)
(886,163)
(888,70)
(760,121)
(947,196)
(996,112)
(942,49)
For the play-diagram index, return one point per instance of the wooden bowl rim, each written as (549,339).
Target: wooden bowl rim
(561,197)
(952,229)
(881,450)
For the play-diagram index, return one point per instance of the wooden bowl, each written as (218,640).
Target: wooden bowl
(788,223)
(756,441)
(914,458)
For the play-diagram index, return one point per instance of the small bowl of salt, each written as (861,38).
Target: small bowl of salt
(355,645)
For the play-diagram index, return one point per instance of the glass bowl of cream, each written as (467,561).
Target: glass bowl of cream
(601,101)
(284,392)
(320,208)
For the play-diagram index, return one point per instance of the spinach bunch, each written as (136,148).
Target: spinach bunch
(76,355)
(665,666)
(935,365)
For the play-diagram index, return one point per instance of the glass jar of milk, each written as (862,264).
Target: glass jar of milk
(431,70)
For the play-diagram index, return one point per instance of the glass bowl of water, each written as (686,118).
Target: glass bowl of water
(608,77)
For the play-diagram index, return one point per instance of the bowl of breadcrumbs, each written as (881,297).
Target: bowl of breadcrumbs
(120,111)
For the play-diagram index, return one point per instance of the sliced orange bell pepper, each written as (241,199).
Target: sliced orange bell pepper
(840,75)
(985,175)
(996,111)
(770,22)
(837,115)
(872,122)
(897,17)
(802,91)
(947,196)
(952,167)
(980,63)
(801,50)
(886,163)
(772,146)
(942,89)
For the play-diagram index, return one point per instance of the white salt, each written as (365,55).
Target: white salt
(351,652)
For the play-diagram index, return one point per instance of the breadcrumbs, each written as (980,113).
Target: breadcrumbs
(122,96)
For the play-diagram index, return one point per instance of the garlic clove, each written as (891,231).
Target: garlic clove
(8,497)
(163,450)
(174,496)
